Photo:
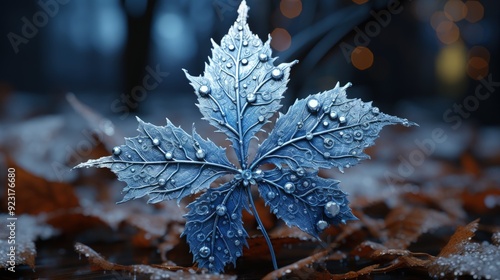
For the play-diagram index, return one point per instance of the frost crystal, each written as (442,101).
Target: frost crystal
(238,93)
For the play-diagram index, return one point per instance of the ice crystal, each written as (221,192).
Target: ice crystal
(238,93)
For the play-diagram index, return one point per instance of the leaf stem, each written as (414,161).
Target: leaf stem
(262,229)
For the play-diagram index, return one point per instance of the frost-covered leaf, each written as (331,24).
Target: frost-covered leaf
(165,163)
(238,93)
(324,130)
(304,200)
(240,88)
(214,228)
(28,229)
(461,256)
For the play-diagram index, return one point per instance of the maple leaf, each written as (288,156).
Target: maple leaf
(238,93)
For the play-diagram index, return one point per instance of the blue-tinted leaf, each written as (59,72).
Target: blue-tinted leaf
(165,163)
(214,227)
(240,88)
(304,199)
(324,130)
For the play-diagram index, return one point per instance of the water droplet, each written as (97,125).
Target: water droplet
(204,251)
(251,98)
(358,134)
(277,74)
(326,155)
(245,43)
(261,119)
(300,125)
(169,155)
(342,120)
(240,28)
(231,47)
(245,85)
(234,216)
(229,65)
(309,136)
(230,233)
(204,90)
(132,170)
(200,154)
(333,115)
(289,187)
(325,123)
(162,182)
(200,237)
(275,211)
(156,142)
(375,111)
(263,57)
(321,225)
(300,171)
(129,156)
(271,195)
(331,209)
(313,105)
(221,210)
(211,259)
(244,61)
(240,232)
(254,78)
(117,151)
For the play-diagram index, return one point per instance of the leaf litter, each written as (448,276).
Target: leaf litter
(424,214)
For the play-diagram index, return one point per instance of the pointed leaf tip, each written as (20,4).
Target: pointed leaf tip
(243,12)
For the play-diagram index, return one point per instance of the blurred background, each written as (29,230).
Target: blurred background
(74,74)
(422,54)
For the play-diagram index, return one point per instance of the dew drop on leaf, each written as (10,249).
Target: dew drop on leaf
(204,90)
(331,209)
(277,74)
(204,251)
(289,187)
(313,105)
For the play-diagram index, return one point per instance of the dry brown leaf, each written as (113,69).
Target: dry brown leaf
(155,271)
(405,224)
(461,236)
(462,257)
(483,202)
(28,229)
(296,267)
(36,195)
(355,274)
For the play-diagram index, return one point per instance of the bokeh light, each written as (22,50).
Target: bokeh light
(447,32)
(362,58)
(478,62)
(455,10)
(451,63)
(359,2)
(291,8)
(475,11)
(281,39)
(437,18)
